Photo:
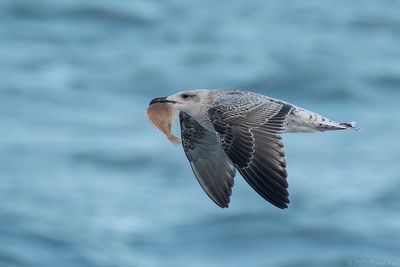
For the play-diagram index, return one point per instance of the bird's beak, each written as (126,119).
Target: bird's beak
(161,100)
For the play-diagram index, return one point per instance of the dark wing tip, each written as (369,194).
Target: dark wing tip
(283,205)
(278,197)
(222,205)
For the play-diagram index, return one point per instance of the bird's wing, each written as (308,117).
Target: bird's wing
(211,166)
(249,132)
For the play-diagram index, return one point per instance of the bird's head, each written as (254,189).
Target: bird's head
(190,101)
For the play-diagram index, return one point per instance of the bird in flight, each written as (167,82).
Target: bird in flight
(227,130)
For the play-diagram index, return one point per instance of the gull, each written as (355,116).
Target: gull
(225,130)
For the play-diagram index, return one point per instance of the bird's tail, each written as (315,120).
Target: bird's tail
(349,125)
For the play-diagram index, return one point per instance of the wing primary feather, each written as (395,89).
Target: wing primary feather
(249,132)
(210,164)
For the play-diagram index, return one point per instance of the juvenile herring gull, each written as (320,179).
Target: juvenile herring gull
(227,130)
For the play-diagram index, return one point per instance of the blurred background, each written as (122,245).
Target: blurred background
(85,180)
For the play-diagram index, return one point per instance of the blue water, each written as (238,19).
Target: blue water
(86,181)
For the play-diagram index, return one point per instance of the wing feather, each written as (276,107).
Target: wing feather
(249,131)
(210,164)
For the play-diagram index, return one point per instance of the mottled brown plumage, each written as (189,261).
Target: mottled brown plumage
(228,130)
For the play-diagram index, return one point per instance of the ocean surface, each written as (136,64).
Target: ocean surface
(86,181)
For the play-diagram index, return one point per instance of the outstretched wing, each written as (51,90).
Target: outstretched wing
(211,166)
(249,132)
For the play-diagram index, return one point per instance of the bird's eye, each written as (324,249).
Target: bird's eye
(185,96)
